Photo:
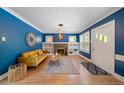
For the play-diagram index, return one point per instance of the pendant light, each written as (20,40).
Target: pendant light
(60,35)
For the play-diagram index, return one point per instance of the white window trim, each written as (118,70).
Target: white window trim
(81,48)
(48,36)
(73,37)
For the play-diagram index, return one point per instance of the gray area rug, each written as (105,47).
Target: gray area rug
(62,67)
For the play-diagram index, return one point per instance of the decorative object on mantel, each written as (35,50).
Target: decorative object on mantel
(17,72)
(60,35)
(30,39)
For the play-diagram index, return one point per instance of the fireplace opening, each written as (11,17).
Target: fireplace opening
(61,51)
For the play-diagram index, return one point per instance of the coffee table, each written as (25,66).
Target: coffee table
(55,59)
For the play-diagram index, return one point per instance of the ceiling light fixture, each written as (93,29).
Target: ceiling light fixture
(60,36)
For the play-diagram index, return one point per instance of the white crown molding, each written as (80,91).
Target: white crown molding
(26,21)
(101,18)
(60,43)
(20,17)
(62,33)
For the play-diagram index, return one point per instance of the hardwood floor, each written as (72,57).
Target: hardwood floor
(35,77)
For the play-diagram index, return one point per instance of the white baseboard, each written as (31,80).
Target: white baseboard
(121,78)
(85,58)
(114,74)
(3,76)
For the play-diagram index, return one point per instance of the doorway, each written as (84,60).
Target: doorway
(103,46)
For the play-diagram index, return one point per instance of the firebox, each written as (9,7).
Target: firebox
(61,51)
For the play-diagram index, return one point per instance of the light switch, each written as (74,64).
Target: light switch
(3,38)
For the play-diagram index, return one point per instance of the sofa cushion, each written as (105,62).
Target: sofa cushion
(28,54)
(40,53)
(41,57)
(35,55)
(38,50)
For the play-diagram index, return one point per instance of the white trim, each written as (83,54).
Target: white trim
(73,43)
(119,57)
(63,33)
(101,18)
(3,76)
(59,42)
(121,78)
(104,25)
(75,39)
(85,58)
(109,68)
(114,74)
(20,17)
(82,38)
(48,36)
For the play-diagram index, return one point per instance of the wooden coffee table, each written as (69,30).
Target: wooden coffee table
(55,59)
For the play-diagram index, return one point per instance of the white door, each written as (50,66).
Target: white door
(103,46)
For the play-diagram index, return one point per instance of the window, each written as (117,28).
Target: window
(81,42)
(49,38)
(72,38)
(100,37)
(85,42)
(97,35)
(105,39)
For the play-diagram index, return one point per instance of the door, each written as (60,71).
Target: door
(103,46)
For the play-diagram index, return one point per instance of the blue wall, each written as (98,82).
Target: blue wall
(55,37)
(14,30)
(119,35)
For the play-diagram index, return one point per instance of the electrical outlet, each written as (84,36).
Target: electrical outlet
(3,38)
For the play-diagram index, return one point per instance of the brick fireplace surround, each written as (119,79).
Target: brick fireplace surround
(61,48)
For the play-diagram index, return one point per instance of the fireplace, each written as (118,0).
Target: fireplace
(61,51)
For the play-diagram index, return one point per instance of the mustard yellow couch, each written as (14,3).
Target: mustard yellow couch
(32,58)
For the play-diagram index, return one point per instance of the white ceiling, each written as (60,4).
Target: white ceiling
(74,18)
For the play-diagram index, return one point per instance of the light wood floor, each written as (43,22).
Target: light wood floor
(35,77)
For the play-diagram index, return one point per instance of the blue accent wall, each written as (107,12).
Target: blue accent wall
(14,30)
(119,35)
(119,67)
(65,39)
(84,54)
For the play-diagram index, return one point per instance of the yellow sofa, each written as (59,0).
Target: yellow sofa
(33,58)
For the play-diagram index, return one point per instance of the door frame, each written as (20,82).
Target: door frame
(92,31)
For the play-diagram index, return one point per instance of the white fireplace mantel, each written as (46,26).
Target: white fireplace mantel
(60,42)
(72,48)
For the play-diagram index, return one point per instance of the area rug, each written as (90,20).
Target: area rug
(93,69)
(62,68)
